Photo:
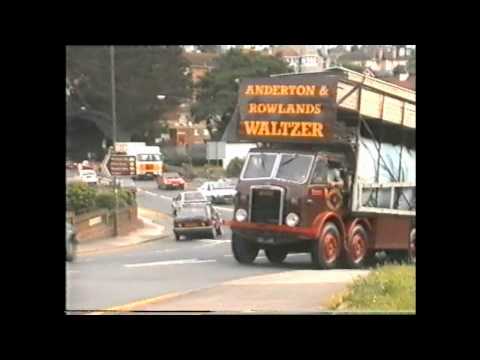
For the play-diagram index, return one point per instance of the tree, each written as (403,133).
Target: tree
(141,73)
(354,67)
(218,90)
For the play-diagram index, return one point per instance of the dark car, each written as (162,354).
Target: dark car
(197,220)
(170,180)
(71,242)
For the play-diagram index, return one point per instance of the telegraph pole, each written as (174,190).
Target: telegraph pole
(114,132)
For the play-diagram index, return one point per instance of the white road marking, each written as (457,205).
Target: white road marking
(150,193)
(73,271)
(228,255)
(170,262)
(165,197)
(305,254)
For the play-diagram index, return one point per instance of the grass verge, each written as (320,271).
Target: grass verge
(389,288)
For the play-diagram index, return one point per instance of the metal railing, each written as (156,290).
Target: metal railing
(365,198)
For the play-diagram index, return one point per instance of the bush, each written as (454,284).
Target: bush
(80,197)
(235,166)
(106,200)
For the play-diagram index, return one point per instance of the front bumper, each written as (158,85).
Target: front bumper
(271,234)
(198,230)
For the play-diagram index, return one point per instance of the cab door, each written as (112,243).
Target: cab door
(316,191)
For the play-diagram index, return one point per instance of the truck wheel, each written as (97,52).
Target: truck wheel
(358,254)
(276,256)
(412,251)
(326,250)
(243,251)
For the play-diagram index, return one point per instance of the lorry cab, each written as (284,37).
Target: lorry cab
(149,164)
(282,192)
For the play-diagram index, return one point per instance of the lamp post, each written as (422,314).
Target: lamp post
(114,132)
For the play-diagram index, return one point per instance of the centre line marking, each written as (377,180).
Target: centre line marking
(170,262)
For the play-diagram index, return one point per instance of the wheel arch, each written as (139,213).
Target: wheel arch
(326,217)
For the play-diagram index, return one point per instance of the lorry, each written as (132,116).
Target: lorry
(334,170)
(149,159)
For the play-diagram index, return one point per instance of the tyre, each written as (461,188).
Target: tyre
(412,250)
(244,251)
(276,256)
(358,249)
(71,250)
(327,249)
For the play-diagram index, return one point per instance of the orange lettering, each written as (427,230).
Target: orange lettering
(274,128)
(317,129)
(318,109)
(306,129)
(259,89)
(261,108)
(284,90)
(290,109)
(310,90)
(301,90)
(251,127)
(272,108)
(249,90)
(295,130)
(291,88)
(263,128)
(252,108)
(268,90)
(300,108)
(323,91)
(276,90)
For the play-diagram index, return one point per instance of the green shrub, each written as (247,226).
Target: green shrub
(235,166)
(80,197)
(106,200)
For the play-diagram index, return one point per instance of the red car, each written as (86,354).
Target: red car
(170,180)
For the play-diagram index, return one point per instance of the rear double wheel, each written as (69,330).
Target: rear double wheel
(358,250)
(276,255)
(327,249)
(244,251)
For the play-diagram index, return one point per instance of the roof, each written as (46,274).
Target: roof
(286,52)
(201,59)
(354,56)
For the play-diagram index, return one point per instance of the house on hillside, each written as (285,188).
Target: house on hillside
(302,59)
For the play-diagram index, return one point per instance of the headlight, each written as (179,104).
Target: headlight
(292,219)
(241,215)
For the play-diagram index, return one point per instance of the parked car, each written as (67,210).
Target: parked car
(197,219)
(187,197)
(70,242)
(88,176)
(218,192)
(170,180)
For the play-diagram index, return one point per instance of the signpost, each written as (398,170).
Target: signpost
(122,165)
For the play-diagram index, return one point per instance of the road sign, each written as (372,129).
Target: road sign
(121,165)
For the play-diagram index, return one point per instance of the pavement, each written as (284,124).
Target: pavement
(151,231)
(298,291)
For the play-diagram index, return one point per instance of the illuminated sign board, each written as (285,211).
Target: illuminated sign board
(287,109)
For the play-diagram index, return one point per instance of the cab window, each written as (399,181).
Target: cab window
(320,172)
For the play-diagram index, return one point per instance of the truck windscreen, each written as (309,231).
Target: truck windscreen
(259,166)
(148,157)
(294,167)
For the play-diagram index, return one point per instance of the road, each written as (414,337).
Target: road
(118,277)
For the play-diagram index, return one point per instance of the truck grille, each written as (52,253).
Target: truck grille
(266,205)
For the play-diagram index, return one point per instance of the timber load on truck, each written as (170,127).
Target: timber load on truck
(340,122)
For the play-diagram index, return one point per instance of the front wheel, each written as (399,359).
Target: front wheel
(276,256)
(244,251)
(327,249)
